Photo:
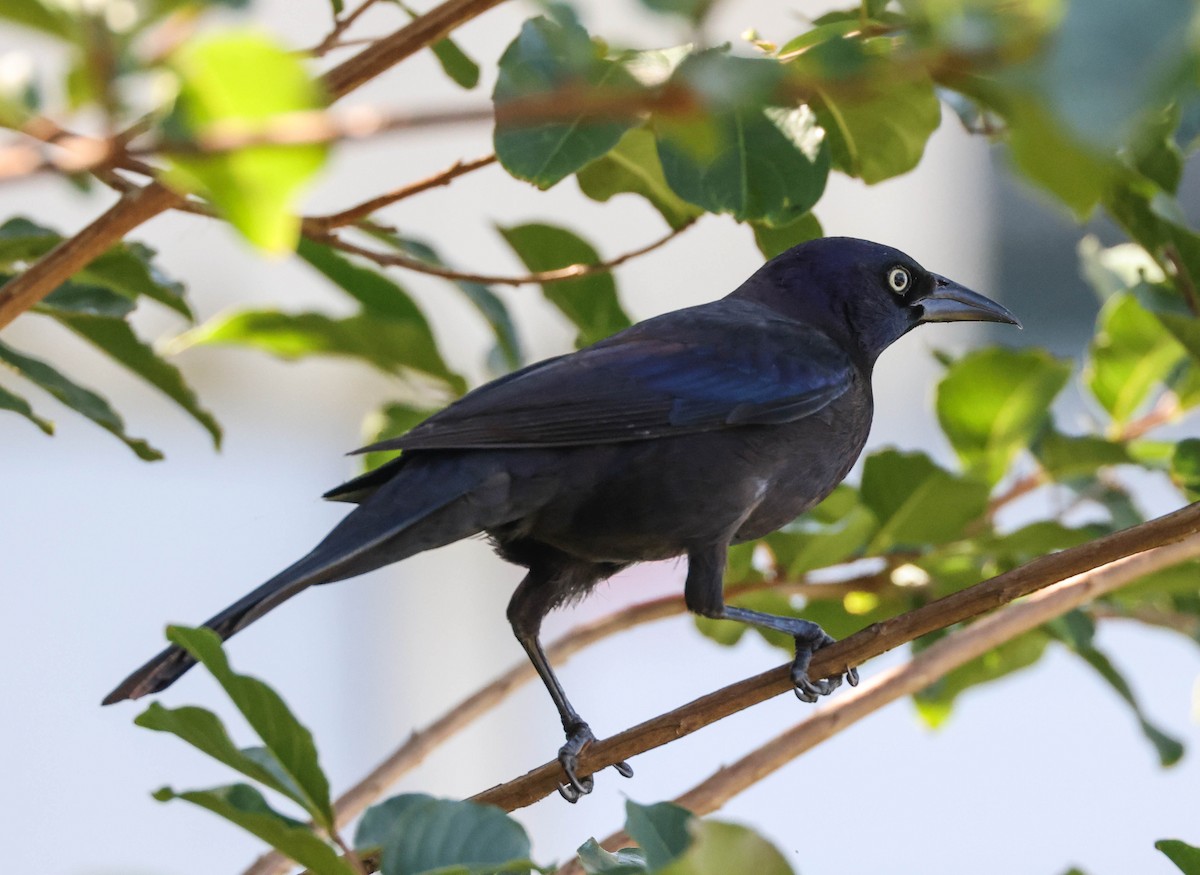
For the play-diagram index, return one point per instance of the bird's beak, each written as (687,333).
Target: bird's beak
(950,302)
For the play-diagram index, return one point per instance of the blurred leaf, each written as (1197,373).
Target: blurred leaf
(747,158)
(597,861)
(1169,750)
(389,421)
(547,57)
(18,405)
(1034,540)
(825,537)
(935,702)
(1131,354)
(487,302)
(243,805)
(1109,61)
(75,298)
(879,128)
(1066,457)
(916,502)
(127,269)
(660,830)
(286,738)
(1184,856)
(204,731)
(590,302)
(722,848)
(993,401)
(116,339)
(420,834)
(633,166)
(1185,467)
(76,397)
(461,69)
(730,632)
(772,241)
(693,10)
(49,18)
(244,81)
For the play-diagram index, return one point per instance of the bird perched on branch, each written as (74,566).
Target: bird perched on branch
(681,435)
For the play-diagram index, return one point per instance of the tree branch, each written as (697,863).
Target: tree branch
(854,650)
(572,271)
(71,256)
(925,668)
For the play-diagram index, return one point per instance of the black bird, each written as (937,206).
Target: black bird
(681,435)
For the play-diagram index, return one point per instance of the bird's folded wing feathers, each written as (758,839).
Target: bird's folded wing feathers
(638,385)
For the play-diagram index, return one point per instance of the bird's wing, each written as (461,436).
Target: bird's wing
(663,377)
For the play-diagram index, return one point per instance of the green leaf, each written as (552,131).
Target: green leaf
(1131,354)
(78,398)
(660,830)
(1185,467)
(935,702)
(1184,856)
(878,128)
(18,405)
(772,241)
(1067,457)
(693,10)
(389,421)
(117,340)
(488,303)
(1109,61)
(287,739)
(455,63)
(204,731)
(1169,750)
(992,402)
(245,82)
(243,805)
(916,502)
(746,158)
(632,166)
(546,57)
(394,313)
(420,834)
(722,848)
(74,298)
(46,17)
(597,861)
(837,529)
(590,302)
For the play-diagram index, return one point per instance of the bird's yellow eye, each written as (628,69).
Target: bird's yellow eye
(899,280)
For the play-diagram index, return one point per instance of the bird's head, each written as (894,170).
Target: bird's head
(862,293)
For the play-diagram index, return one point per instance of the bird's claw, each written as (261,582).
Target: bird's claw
(580,736)
(806,689)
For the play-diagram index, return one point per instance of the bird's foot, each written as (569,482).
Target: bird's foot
(808,690)
(579,736)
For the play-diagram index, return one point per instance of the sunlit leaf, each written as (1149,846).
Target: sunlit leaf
(244,82)
(1185,467)
(49,18)
(721,848)
(772,241)
(1131,355)
(993,401)
(79,399)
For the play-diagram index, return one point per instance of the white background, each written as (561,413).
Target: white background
(1039,772)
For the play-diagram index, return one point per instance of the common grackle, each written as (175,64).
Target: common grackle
(683,434)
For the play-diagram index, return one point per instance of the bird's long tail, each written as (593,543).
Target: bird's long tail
(412,512)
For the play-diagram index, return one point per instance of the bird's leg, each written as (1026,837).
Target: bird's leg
(704,595)
(532,600)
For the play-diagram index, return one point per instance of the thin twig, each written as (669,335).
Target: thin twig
(1184,624)
(70,256)
(1165,410)
(854,650)
(340,26)
(321,224)
(1183,279)
(572,271)
(925,668)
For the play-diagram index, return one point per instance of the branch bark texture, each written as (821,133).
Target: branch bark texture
(1182,525)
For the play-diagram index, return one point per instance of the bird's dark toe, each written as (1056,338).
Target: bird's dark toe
(623,769)
(852,677)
